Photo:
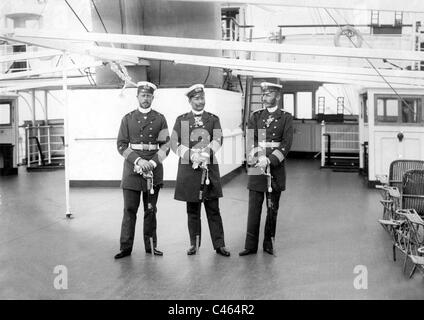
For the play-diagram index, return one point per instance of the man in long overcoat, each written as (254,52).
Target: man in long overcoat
(196,137)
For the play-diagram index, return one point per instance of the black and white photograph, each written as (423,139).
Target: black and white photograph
(212,155)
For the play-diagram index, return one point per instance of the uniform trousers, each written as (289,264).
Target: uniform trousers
(256,200)
(131,204)
(214,220)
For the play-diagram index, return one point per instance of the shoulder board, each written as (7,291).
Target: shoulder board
(212,115)
(285,112)
(257,111)
(183,115)
(157,112)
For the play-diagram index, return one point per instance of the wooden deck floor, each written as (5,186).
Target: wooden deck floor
(327,225)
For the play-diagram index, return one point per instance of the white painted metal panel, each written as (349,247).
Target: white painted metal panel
(94,146)
(388,148)
(302,137)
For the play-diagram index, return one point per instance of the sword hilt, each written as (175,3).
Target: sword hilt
(207,181)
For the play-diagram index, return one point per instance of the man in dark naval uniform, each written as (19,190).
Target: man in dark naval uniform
(143,140)
(270,135)
(196,137)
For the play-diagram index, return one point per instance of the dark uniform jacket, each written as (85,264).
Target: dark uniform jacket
(277,128)
(187,135)
(140,128)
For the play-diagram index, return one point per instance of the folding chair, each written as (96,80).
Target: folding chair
(409,239)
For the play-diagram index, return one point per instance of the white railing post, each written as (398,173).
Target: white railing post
(231,29)
(48,145)
(28,146)
(322,143)
(66,131)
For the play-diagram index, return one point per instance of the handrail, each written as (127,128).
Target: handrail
(48,148)
(328,161)
(40,152)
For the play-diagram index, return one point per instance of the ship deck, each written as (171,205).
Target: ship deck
(327,225)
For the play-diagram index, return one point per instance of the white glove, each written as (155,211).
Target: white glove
(262,162)
(199,158)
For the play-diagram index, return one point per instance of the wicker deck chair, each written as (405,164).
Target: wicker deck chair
(409,239)
(392,187)
(399,167)
(412,192)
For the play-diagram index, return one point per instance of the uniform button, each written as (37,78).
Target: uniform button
(150,135)
(141,135)
(150,128)
(273,134)
(275,127)
(138,121)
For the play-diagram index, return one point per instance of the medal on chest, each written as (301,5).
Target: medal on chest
(198,122)
(269,121)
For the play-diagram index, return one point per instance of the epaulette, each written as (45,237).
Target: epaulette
(158,113)
(257,112)
(183,115)
(211,114)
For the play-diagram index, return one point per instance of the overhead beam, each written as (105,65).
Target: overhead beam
(73,48)
(226,62)
(290,77)
(192,43)
(382,5)
(396,77)
(334,77)
(23,74)
(29,55)
(20,85)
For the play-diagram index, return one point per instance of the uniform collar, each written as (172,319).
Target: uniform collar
(144,111)
(205,116)
(273,109)
(197,113)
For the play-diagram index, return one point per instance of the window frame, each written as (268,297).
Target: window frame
(399,110)
(294,102)
(10,113)
(312,105)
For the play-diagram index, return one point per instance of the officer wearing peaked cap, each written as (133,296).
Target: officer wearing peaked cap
(143,141)
(269,138)
(196,137)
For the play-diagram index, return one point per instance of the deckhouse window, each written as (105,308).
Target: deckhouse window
(411,111)
(5,114)
(404,110)
(288,102)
